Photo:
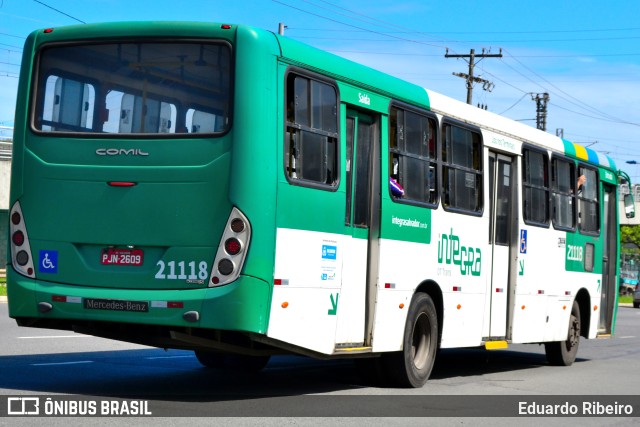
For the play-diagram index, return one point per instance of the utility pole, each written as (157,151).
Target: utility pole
(281,28)
(470,78)
(541,109)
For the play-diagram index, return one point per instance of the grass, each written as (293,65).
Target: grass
(625,299)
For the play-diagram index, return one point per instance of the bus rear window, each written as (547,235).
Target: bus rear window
(134,88)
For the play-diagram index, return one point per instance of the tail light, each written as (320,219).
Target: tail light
(21,256)
(232,250)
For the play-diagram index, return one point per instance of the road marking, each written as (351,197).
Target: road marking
(54,336)
(626,338)
(62,363)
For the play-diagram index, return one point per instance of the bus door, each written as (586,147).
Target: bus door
(609,260)
(502,233)
(362,219)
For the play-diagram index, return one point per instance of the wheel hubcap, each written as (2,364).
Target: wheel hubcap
(420,341)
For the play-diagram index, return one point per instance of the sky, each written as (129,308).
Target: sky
(584,53)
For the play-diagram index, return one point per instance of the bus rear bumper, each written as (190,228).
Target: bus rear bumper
(240,306)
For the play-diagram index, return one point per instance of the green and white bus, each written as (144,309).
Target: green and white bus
(227,190)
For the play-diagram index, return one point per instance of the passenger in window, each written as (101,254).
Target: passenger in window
(582,180)
(396,189)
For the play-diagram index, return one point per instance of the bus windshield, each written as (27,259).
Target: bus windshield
(134,88)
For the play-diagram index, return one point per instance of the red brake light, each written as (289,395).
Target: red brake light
(16,218)
(237,225)
(232,246)
(121,184)
(18,238)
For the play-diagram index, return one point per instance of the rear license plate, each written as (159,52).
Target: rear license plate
(116,305)
(122,257)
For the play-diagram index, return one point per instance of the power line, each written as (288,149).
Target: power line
(59,11)
(578,102)
(369,52)
(10,45)
(405,30)
(494,32)
(516,103)
(355,26)
(11,35)
(9,63)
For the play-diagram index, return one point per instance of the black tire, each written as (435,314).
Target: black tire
(412,366)
(636,305)
(233,361)
(211,360)
(563,353)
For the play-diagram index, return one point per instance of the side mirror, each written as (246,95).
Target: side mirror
(629,206)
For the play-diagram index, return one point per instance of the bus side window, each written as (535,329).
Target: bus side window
(588,204)
(412,157)
(536,187)
(138,115)
(461,169)
(202,122)
(68,105)
(563,197)
(311,136)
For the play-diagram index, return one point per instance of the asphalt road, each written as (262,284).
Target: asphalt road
(37,362)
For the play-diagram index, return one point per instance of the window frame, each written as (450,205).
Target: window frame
(571,194)
(293,72)
(547,187)
(431,162)
(579,198)
(39,86)
(445,164)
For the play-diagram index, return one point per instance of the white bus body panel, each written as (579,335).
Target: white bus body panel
(305,304)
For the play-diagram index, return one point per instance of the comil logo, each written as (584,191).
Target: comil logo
(23,406)
(120,152)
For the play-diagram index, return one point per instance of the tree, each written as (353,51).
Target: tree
(630,234)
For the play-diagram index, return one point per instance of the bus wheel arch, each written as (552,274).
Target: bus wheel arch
(584,303)
(563,353)
(412,366)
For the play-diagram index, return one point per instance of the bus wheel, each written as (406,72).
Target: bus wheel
(211,360)
(563,353)
(412,366)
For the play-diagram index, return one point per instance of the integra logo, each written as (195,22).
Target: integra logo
(120,152)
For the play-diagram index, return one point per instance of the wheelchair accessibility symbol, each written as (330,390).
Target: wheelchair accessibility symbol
(48,262)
